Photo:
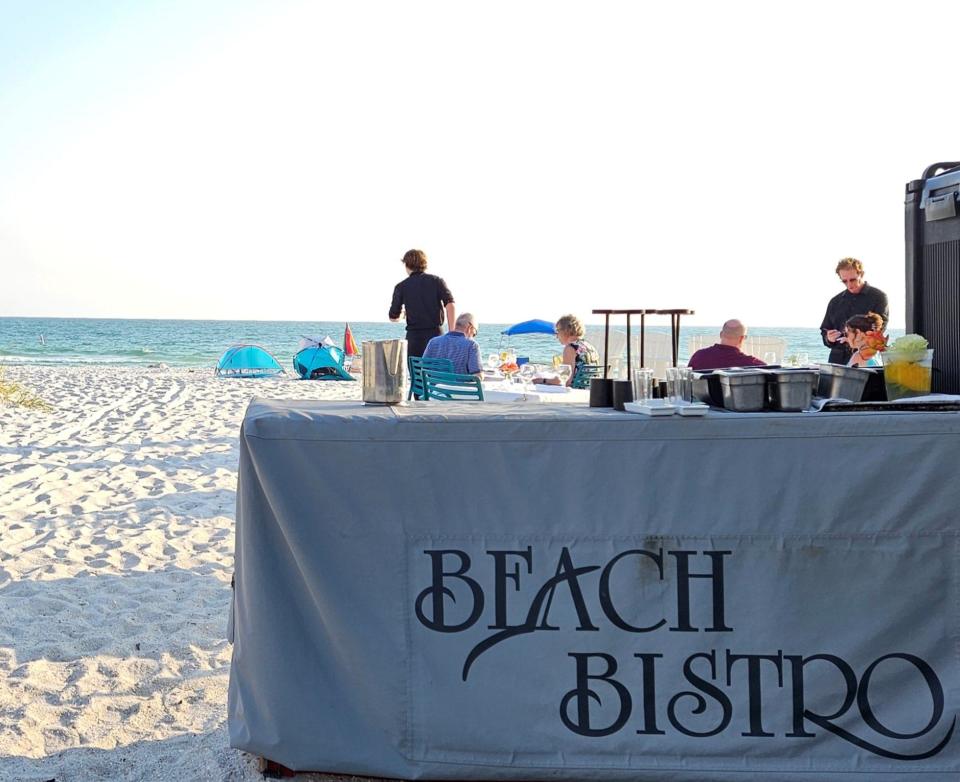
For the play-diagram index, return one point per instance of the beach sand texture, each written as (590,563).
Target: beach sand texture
(116,553)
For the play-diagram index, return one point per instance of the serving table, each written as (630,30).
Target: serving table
(465,591)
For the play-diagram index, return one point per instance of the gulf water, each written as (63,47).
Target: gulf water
(200,343)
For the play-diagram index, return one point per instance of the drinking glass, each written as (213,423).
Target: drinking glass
(686,379)
(770,357)
(557,361)
(642,380)
(527,373)
(564,372)
(803,359)
(493,361)
(674,385)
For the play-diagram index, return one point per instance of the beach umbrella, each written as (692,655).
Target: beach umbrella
(349,343)
(530,327)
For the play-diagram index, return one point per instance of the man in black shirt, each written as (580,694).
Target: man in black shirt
(424,298)
(859,298)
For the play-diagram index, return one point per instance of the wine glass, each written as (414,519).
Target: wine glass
(564,372)
(770,357)
(527,373)
(493,361)
(803,359)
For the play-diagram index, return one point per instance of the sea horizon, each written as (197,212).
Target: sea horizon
(200,342)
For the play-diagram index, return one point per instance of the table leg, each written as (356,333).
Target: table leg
(675,335)
(629,375)
(606,344)
(643,326)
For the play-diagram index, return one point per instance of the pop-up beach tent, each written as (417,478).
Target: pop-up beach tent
(248,361)
(321,362)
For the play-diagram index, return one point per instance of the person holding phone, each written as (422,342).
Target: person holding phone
(857,297)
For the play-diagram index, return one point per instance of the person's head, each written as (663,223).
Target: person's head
(415,261)
(858,325)
(850,272)
(733,333)
(466,324)
(569,329)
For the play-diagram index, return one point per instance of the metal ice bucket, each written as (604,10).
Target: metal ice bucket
(384,371)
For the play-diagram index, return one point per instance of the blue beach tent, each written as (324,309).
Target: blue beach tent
(321,362)
(530,327)
(247,361)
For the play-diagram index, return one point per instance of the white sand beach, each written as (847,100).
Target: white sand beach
(116,553)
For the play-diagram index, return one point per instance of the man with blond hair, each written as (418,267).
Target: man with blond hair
(857,298)
(459,346)
(726,353)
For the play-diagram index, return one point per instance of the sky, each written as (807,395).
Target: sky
(274,160)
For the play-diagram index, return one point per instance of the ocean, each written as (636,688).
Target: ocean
(200,343)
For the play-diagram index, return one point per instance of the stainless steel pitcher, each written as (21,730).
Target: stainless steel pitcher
(384,371)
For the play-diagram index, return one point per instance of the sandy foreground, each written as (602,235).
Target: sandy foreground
(116,552)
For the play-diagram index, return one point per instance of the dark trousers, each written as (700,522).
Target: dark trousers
(417,340)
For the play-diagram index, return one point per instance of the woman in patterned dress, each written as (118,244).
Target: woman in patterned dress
(576,350)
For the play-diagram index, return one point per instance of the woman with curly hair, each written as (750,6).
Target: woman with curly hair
(576,350)
(862,332)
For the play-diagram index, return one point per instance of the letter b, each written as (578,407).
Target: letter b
(438,590)
(581,724)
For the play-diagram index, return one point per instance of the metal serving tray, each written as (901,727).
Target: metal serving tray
(744,391)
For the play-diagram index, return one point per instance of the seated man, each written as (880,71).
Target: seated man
(726,353)
(459,346)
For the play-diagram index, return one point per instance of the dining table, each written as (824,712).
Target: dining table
(502,391)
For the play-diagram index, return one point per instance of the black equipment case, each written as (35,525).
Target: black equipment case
(932,209)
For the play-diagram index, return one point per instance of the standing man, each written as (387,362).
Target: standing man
(859,298)
(459,345)
(726,353)
(424,297)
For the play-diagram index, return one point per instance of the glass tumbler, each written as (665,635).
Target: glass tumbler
(686,380)
(642,380)
(674,385)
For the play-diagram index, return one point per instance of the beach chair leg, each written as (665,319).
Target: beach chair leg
(273,770)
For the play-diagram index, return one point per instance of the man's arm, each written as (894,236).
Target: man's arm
(884,309)
(396,306)
(446,298)
(474,366)
(826,327)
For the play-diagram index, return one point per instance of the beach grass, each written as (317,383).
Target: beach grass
(12,393)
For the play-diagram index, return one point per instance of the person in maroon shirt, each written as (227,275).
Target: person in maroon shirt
(726,353)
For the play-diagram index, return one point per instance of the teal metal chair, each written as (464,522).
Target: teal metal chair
(586,373)
(451,387)
(416,364)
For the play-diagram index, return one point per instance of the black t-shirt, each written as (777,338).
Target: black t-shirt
(423,296)
(845,305)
